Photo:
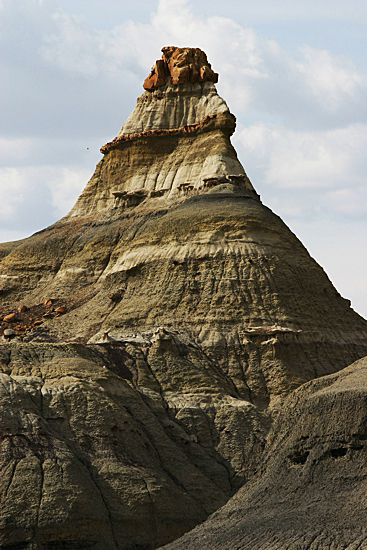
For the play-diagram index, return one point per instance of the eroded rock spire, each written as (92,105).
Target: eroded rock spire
(175,143)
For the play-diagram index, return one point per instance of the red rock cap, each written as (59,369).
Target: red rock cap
(180,66)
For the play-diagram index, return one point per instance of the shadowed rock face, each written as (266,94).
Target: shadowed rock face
(310,492)
(157,330)
(90,462)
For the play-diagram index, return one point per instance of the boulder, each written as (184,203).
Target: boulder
(10,318)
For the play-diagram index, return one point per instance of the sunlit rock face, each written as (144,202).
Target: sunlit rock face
(174,144)
(173,297)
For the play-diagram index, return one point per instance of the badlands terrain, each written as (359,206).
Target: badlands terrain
(170,350)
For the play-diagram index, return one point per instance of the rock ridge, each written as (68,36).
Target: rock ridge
(310,490)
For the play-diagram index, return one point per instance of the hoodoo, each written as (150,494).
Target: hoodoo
(175,143)
(156,332)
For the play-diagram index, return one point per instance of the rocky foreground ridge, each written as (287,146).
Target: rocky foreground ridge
(310,492)
(152,336)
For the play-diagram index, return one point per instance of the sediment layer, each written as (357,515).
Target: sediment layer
(152,336)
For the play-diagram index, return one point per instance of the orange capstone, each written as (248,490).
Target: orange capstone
(180,66)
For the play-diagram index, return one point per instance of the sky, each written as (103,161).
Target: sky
(293,73)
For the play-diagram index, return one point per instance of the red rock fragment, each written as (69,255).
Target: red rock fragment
(60,310)
(22,308)
(157,76)
(48,302)
(37,322)
(10,318)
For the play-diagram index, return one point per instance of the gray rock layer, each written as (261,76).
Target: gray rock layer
(89,462)
(310,492)
(173,107)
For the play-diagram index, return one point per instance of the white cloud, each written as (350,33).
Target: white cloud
(59,76)
(105,14)
(32,197)
(333,81)
(14,151)
(72,46)
(13,187)
(66,186)
(294,160)
(349,202)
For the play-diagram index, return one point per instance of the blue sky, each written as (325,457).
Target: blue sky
(294,74)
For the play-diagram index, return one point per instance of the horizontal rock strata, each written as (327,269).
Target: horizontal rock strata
(189,129)
(151,336)
(162,164)
(173,107)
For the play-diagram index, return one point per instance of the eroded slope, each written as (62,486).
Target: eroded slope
(310,492)
(151,336)
(88,461)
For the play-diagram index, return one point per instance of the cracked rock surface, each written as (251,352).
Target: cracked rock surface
(88,461)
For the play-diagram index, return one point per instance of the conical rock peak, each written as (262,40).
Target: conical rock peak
(151,336)
(175,143)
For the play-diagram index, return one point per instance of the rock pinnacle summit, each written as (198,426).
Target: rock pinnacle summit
(151,337)
(180,66)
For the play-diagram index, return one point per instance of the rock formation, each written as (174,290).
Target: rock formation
(151,336)
(180,66)
(310,492)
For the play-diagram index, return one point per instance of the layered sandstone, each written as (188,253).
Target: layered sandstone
(176,139)
(173,296)
(174,107)
(175,144)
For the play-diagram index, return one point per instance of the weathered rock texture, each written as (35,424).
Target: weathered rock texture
(170,298)
(311,490)
(89,462)
(180,66)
